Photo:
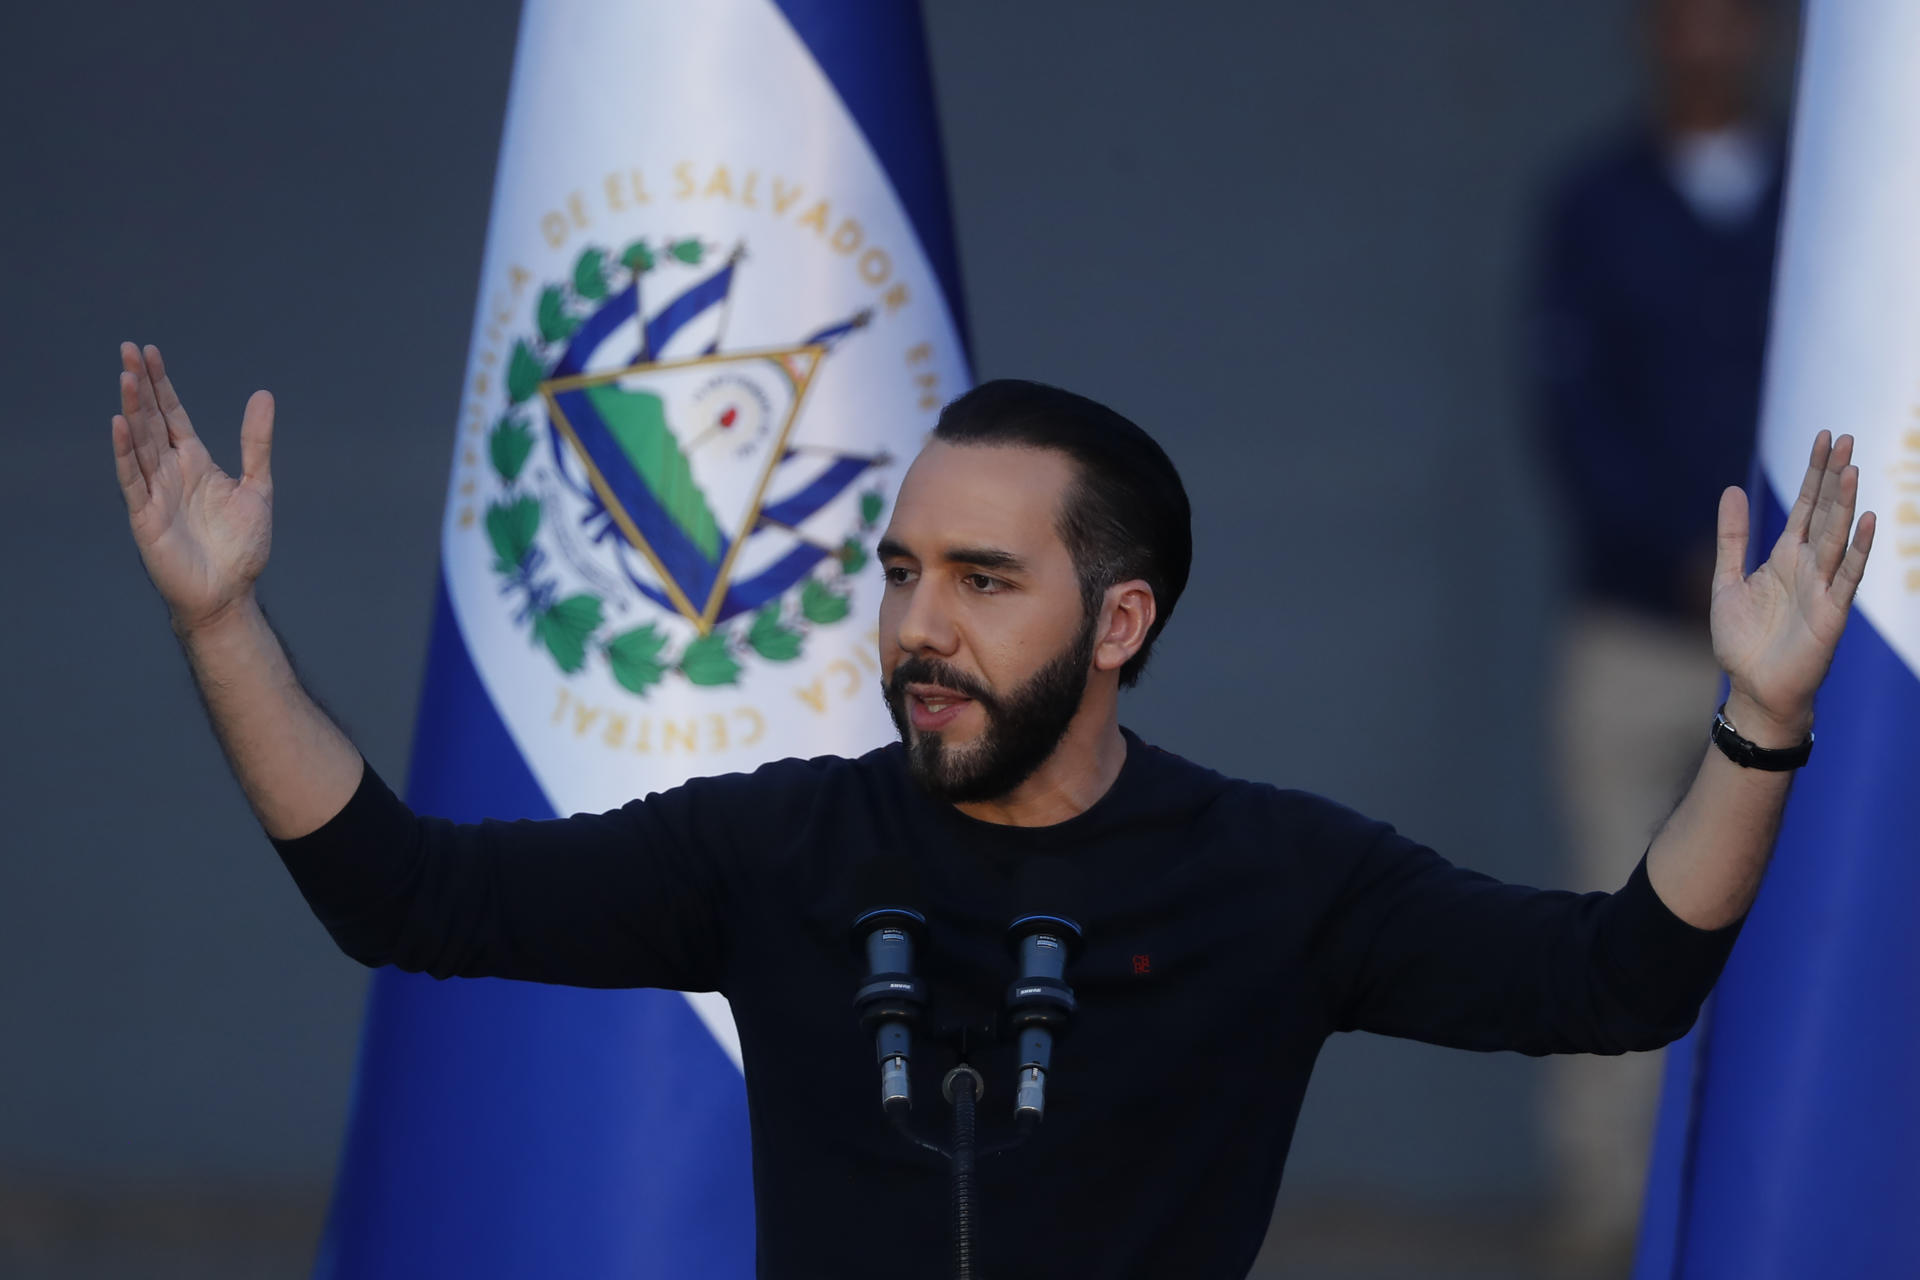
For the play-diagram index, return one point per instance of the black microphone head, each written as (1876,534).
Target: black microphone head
(886,894)
(1049,896)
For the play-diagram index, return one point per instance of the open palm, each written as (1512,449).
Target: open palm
(1775,630)
(203,535)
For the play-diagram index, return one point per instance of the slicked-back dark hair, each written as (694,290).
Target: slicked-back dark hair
(1126,514)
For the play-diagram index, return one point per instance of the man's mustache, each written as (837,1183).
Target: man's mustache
(920,670)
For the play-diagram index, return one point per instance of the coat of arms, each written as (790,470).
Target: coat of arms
(660,506)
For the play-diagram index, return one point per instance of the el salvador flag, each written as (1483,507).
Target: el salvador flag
(1789,1132)
(676,182)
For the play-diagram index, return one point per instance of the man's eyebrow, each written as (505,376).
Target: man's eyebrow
(976,557)
(985,558)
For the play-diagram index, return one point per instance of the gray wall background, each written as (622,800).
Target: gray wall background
(1288,238)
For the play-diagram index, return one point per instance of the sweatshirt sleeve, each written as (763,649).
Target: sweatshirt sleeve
(634,897)
(1413,946)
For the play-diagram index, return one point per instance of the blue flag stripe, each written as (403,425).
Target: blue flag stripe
(1804,1113)
(544,1063)
(878,65)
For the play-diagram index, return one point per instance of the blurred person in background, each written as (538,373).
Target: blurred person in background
(1648,326)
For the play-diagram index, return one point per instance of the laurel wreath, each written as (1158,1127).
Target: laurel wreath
(571,626)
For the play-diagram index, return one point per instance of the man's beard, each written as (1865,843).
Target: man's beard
(1023,727)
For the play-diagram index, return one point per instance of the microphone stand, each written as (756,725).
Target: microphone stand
(1038,1004)
(963,1088)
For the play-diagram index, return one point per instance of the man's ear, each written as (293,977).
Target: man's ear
(1126,616)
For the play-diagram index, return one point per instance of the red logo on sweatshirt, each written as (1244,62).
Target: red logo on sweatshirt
(1143,964)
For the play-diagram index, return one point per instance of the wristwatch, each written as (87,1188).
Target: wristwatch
(1749,755)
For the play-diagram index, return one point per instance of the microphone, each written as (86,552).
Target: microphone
(890,998)
(1045,935)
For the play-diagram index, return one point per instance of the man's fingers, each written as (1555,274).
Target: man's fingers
(256,439)
(1802,512)
(147,442)
(143,385)
(142,410)
(1830,533)
(1837,459)
(126,468)
(1833,509)
(1854,566)
(1730,544)
(179,426)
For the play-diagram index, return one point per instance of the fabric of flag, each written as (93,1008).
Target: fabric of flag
(1790,1122)
(718,314)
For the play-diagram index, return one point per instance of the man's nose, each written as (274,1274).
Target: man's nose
(927,625)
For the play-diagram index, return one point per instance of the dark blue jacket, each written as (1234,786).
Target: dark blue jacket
(1648,334)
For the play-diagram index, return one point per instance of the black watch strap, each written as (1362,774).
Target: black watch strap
(1748,755)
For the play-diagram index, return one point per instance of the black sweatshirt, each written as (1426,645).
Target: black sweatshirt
(1231,926)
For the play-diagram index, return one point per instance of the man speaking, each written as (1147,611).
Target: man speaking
(1038,546)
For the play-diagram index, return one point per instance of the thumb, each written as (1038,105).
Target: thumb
(1730,544)
(256,439)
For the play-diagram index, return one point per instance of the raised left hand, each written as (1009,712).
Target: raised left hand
(1775,629)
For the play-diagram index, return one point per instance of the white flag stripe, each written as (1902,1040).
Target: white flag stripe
(684,139)
(1844,353)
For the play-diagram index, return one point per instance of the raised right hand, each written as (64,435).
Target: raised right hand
(203,535)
